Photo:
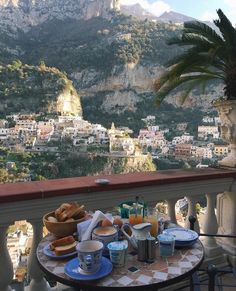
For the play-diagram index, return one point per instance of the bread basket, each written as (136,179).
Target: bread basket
(61,229)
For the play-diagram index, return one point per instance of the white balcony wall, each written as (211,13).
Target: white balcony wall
(106,198)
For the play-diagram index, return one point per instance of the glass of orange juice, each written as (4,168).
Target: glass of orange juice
(135,214)
(152,217)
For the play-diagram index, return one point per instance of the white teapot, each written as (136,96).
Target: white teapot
(139,231)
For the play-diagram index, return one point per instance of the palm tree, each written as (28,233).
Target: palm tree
(208,56)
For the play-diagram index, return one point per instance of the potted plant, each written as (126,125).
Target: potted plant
(208,56)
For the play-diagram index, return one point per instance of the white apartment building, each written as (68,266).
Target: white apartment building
(26,123)
(204,131)
(150,119)
(165,150)
(182,126)
(4,133)
(83,126)
(201,152)
(13,116)
(208,119)
(122,145)
(100,131)
(70,132)
(185,138)
(66,119)
(154,128)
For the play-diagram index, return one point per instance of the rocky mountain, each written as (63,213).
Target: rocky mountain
(138,11)
(112,59)
(23,14)
(25,88)
(174,17)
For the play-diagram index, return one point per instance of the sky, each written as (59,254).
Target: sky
(200,9)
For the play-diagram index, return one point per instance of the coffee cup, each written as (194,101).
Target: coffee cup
(90,256)
(118,252)
(105,234)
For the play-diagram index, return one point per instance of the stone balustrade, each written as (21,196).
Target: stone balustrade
(30,201)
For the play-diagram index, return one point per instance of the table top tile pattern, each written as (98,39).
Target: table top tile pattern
(163,269)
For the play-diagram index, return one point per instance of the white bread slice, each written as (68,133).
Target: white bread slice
(64,250)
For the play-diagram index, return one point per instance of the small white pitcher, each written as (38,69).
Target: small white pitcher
(139,231)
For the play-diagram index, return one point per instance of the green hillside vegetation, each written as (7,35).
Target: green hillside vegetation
(25,88)
(41,166)
(97,43)
(166,115)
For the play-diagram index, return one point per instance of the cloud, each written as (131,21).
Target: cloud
(156,8)
(230,10)
(230,3)
(208,16)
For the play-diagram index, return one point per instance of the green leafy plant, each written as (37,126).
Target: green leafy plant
(208,56)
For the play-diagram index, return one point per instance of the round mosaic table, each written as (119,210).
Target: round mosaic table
(135,275)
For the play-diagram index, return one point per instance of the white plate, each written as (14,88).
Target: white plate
(182,234)
(102,181)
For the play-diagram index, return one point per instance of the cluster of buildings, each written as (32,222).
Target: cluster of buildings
(206,145)
(33,135)
(47,135)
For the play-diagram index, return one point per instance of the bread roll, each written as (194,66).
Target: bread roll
(64,250)
(52,219)
(62,242)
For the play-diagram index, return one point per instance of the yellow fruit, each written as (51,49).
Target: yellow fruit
(118,221)
(106,222)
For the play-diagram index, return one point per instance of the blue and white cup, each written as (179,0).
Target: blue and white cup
(166,244)
(90,256)
(118,252)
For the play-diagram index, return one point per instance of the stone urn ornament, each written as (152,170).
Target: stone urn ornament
(227,113)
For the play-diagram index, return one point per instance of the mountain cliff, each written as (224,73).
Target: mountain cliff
(110,57)
(23,14)
(138,11)
(174,17)
(25,88)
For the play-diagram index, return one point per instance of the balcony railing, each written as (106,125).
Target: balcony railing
(30,201)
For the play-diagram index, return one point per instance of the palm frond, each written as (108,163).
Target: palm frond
(189,39)
(208,56)
(202,29)
(226,28)
(191,80)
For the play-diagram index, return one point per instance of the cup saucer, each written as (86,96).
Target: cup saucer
(72,270)
(82,272)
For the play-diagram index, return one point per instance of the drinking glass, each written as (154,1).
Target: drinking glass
(135,214)
(152,217)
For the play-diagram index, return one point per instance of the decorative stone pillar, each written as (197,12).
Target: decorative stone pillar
(213,251)
(192,211)
(171,210)
(227,114)
(38,282)
(6,267)
(226,215)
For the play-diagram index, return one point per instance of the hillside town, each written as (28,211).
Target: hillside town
(27,133)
